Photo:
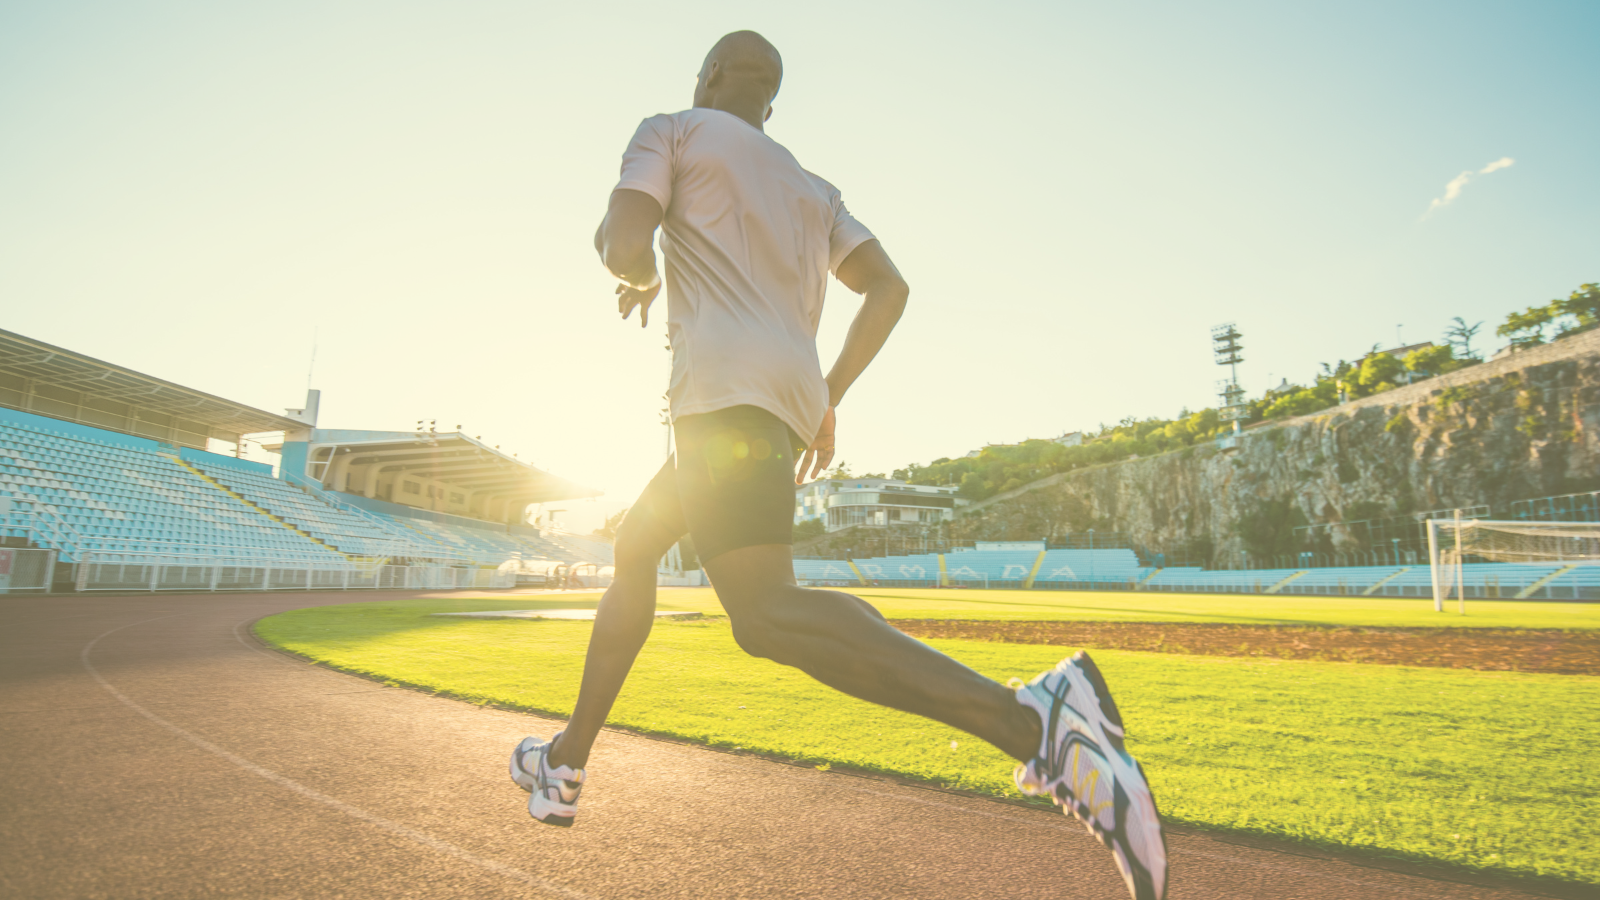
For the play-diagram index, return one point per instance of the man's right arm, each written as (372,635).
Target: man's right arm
(625,241)
(868,271)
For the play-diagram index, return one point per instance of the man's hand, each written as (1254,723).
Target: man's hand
(629,297)
(820,453)
(625,241)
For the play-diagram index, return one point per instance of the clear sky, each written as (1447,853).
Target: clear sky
(1076,192)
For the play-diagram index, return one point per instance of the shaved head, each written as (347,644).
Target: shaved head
(742,69)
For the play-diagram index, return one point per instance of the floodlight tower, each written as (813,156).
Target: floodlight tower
(1226,347)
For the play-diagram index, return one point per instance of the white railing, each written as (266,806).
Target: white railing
(48,528)
(156,547)
(135,571)
(26,570)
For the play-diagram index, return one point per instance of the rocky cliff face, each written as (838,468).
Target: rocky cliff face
(1516,428)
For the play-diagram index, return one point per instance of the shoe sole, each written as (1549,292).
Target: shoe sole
(545,811)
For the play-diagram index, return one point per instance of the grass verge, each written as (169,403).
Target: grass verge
(1485,770)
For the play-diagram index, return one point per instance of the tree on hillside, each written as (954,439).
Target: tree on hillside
(1460,336)
(1583,305)
(810,528)
(1579,312)
(1436,360)
(1379,372)
(1526,328)
(1304,401)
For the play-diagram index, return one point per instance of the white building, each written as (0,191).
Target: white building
(1070,439)
(841,503)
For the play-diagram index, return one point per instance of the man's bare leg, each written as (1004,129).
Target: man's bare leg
(844,643)
(621,626)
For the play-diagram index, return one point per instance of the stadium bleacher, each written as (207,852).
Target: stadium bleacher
(483,542)
(1095,566)
(919,569)
(991,566)
(106,483)
(1086,569)
(824,571)
(999,567)
(92,492)
(343,531)
(1251,581)
(567,546)
(122,494)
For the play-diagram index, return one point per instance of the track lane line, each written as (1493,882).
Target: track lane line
(356,812)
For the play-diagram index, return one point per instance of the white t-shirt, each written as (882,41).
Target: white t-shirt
(749,239)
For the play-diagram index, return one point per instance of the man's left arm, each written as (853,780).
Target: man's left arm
(625,241)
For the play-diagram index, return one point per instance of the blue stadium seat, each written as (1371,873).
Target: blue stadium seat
(344,531)
(79,495)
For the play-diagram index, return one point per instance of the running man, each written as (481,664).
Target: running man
(749,239)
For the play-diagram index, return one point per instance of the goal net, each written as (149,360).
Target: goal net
(1481,558)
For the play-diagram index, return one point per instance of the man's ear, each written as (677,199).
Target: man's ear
(768,116)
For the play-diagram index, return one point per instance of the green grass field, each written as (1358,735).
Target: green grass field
(1485,770)
(1129,606)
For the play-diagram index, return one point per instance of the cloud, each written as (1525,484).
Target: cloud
(1452,190)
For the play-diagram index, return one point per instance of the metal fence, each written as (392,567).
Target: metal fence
(25,570)
(108,571)
(1565,508)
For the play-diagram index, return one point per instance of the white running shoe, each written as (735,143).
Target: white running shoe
(1083,767)
(552,793)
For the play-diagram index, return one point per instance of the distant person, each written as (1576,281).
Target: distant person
(749,238)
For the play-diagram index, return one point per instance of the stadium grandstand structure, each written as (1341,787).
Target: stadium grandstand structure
(106,475)
(1120,569)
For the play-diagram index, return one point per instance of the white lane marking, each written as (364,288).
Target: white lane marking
(395,828)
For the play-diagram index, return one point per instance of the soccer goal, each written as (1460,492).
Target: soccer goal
(1533,555)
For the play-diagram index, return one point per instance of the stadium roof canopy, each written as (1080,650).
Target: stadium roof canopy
(52,381)
(450,472)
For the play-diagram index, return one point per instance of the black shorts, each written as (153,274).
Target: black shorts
(731,482)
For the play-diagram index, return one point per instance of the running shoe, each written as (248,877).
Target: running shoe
(552,792)
(1083,767)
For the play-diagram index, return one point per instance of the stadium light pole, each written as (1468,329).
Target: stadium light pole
(1228,351)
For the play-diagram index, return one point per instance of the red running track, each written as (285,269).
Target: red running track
(153,748)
